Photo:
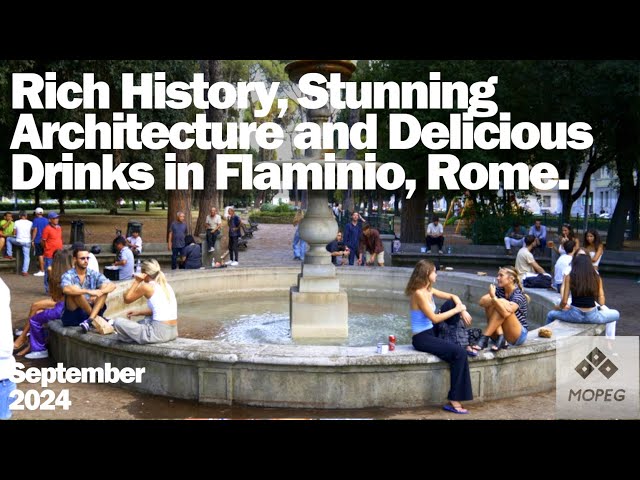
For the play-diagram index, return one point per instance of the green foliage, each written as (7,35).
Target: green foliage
(272,217)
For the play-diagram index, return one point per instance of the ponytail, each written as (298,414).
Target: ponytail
(152,268)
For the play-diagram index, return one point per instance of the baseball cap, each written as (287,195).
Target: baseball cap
(52,215)
(38,210)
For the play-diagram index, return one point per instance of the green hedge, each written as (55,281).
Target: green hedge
(272,217)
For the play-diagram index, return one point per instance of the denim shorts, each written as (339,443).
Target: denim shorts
(522,338)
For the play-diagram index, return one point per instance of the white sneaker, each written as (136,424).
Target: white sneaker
(212,250)
(234,264)
(38,274)
(228,262)
(37,355)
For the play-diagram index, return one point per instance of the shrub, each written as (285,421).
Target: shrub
(272,217)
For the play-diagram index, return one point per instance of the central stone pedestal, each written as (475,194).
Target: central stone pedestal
(318,315)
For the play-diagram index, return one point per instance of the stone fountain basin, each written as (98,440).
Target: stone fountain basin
(304,376)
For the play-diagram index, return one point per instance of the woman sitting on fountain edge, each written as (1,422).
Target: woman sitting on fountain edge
(161,317)
(506,310)
(423,317)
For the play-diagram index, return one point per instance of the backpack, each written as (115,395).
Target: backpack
(539,281)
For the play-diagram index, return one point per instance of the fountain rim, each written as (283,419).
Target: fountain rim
(317,355)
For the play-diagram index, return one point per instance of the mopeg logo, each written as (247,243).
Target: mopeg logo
(596,360)
(597,378)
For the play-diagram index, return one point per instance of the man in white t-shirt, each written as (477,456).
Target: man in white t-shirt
(563,263)
(134,242)
(435,234)
(526,265)
(22,239)
(213,223)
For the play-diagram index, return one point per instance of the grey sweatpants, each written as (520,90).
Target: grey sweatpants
(144,331)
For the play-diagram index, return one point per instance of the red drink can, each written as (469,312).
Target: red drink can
(392,343)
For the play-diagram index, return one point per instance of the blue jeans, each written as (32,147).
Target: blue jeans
(26,248)
(47,263)
(6,387)
(175,252)
(575,315)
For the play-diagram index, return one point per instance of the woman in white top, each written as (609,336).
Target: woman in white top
(161,315)
(593,246)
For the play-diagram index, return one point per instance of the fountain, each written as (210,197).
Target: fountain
(314,376)
(317,306)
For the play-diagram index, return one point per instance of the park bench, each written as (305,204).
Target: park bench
(626,263)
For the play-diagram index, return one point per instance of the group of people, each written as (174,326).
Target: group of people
(516,235)
(78,297)
(360,244)
(505,306)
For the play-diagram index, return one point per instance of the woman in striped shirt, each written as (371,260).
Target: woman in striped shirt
(506,310)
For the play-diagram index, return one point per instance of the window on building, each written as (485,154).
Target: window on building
(546,201)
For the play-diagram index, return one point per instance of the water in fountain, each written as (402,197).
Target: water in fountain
(266,320)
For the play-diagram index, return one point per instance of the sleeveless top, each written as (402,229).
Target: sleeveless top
(593,254)
(419,321)
(161,308)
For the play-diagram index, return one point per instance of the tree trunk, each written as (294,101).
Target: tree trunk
(61,202)
(618,223)
(180,200)
(635,209)
(210,197)
(348,203)
(133,205)
(147,206)
(37,198)
(412,219)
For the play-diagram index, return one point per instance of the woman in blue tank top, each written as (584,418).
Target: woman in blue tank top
(423,316)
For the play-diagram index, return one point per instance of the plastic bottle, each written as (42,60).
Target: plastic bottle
(449,250)
(138,267)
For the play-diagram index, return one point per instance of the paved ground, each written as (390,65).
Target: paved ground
(271,245)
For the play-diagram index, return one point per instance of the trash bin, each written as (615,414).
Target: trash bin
(134,226)
(77,232)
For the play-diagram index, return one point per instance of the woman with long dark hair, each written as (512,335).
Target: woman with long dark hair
(585,286)
(593,246)
(423,317)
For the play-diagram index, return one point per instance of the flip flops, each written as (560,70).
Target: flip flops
(450,408)
(472,353)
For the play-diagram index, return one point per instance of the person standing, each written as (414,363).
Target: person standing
(299,245)
(214,224)
(177,234)
(7,362)
(51,241)
(234,234)
(352,234)
(22,239)
(422,306)
(39,223)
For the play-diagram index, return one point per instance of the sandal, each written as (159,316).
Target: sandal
(499,343)
(482,343)
(450,408)
(471,352)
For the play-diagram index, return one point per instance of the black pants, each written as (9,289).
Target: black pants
(233,249)
(212,237)
(435,241)
(455,356)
